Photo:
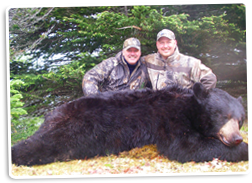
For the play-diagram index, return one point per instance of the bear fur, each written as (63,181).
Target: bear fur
(186,124)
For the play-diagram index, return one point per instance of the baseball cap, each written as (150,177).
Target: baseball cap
(132,42)
(166,33)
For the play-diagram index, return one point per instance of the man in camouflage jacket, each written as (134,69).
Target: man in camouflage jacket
(124,71)
(169,66)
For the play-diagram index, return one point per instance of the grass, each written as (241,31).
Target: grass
(145,160)
(117,165)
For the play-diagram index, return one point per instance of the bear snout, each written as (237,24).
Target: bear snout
(238,140)
(229,134)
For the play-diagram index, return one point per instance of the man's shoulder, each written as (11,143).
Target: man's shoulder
(150,56)
(150,59)
(188,58)
(111,61)
(104,66)
(153,61)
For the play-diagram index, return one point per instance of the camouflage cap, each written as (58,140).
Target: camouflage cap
(166,33)
(132,42)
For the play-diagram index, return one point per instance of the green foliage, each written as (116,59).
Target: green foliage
(21,127)
(24,127)
(81,37)
(15,103)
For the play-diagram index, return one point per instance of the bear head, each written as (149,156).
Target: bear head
(221,115)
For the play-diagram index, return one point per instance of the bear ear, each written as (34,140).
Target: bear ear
(200,92)
(240,99)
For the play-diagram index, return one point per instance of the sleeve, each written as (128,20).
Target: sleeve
(147,81)
(203,74)
(95,77)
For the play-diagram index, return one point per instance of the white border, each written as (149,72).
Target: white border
(123,3)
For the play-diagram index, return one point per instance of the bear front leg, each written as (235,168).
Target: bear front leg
(203,150)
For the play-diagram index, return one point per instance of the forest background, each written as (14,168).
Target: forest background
(52,48)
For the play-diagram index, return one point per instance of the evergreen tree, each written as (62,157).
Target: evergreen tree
(54,47)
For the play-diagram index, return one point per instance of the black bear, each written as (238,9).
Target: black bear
(187,125)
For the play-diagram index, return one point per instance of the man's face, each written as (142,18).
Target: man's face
(132,55)
(166,47)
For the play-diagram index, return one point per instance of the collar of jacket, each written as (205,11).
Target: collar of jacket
(174,56)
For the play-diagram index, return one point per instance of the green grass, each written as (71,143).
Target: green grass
(128,165)
(145,160)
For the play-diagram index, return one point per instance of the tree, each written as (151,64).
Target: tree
(15,103)
(23,21)
(72,40)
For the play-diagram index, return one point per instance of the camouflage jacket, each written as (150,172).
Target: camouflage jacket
(178,68)
(113,74)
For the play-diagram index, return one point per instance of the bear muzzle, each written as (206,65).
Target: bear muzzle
(229,134)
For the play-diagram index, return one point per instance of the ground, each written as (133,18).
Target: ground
(145,160)
(117,165)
